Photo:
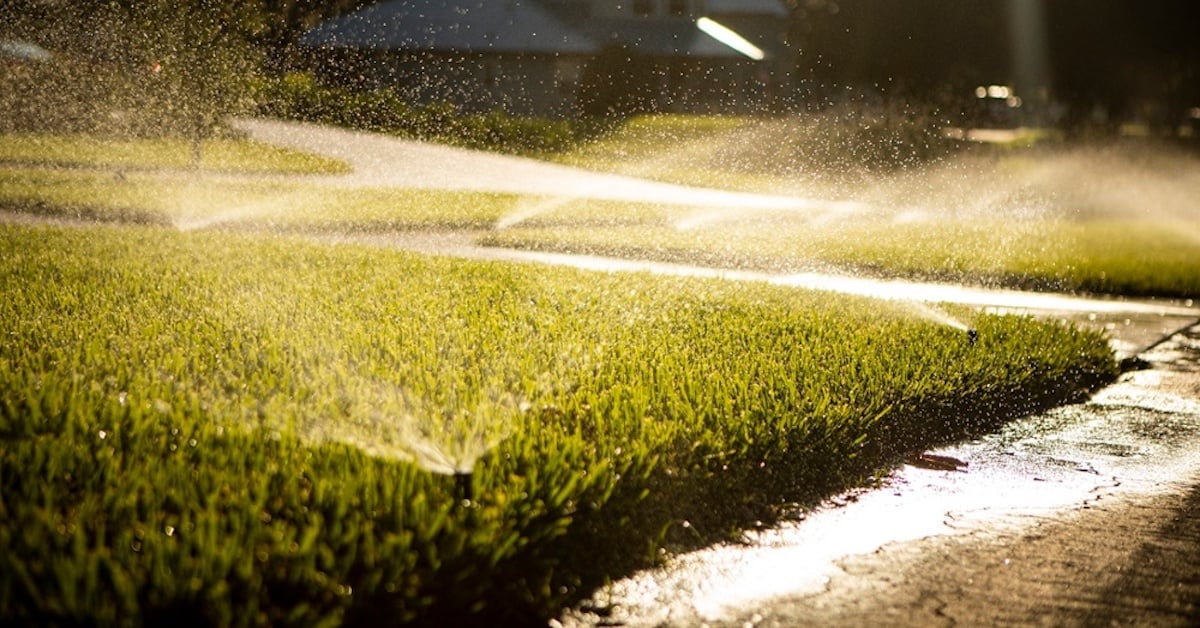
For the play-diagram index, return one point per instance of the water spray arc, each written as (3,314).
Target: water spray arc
(530,210)
(443,440)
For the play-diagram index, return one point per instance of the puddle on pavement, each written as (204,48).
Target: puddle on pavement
(1139,437)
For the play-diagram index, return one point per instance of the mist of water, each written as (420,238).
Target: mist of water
(528,210)
(810,210)
(446,441)
(196,220)
(936,315)
(456,448)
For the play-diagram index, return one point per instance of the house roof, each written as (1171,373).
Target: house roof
(522,26)
(665,38)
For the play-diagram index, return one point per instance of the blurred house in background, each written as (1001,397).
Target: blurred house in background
(563,57)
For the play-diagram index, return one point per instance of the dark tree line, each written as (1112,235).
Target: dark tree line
(1125,57)
(149,67)
(189,60)
(98,26)
(1135,59)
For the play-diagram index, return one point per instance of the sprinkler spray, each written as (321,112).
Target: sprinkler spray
(972,336)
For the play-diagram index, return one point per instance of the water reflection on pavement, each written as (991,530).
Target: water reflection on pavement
(1137,438)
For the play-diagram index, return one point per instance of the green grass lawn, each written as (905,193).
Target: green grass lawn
(829,150)
(1102,254)
(1117,218)
(191,203)
(1108,219)
(217,154)
(202,418)
(1122,257)
(248,429)
(674,148)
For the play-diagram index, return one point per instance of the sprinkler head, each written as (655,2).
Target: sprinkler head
(462,487)
(972,336)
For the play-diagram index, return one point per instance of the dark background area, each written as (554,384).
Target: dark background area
(1103,62)
(1110,58)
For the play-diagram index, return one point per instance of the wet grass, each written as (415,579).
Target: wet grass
(243,429)
(830,150)
(1107,220)
(217,154)
(1103,255)
(191,202)
(673,148)
(1120,257)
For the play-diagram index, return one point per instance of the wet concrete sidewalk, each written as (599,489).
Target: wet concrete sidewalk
(1084,515)
(1131,562)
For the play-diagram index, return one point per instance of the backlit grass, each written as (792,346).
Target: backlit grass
(1125,257)
(242,429)
(675,148)
(189,202)
(829,150)
(284,205)
(1108,255)
(1112,219)
(1115,218)
(217,154)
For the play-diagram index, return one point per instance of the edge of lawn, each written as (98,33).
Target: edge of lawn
(291,531)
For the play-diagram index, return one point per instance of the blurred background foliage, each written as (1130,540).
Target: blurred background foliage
(177,68)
